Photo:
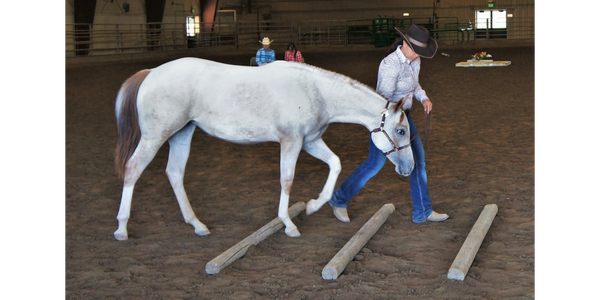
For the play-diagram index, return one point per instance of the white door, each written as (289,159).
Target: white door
(490,23)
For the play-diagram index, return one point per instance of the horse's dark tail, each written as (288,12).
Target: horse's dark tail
(128,128)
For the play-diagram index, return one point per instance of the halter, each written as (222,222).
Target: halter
(384,114)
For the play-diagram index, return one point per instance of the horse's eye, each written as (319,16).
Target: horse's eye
(401,131)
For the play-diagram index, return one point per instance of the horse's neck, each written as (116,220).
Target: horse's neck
(344,100)
(357,105)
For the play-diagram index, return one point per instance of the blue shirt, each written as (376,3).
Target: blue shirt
(263,56)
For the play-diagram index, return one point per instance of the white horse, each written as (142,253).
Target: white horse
(283,102)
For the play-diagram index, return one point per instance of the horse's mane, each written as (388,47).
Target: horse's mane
(327,73)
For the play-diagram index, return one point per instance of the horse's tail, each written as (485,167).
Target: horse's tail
(128,128)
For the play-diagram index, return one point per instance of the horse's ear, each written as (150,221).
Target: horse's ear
(400,104)
(403,101)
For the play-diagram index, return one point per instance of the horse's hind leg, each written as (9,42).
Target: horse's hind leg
(145,151)
(290,149)
(179,151)
(319,150)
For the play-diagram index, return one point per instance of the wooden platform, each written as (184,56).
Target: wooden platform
(498,63)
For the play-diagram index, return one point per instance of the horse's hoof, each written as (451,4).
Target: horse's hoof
(121,236)
(292,232)
(202,232)
(312,206)
(199,228)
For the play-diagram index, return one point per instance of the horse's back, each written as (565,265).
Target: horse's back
(238,103)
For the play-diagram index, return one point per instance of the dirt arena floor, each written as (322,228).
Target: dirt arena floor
(481,151)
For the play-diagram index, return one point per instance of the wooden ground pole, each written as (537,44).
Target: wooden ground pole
(469,249)
(338,263)
(238,250)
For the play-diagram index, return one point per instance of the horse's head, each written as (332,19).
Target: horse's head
(393,138)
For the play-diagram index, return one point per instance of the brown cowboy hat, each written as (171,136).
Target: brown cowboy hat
(419,40)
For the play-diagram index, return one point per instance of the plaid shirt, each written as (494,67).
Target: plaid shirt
(289,56)
(263,56)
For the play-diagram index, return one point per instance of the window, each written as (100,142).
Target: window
(499,19)
(192,25)
(482,19)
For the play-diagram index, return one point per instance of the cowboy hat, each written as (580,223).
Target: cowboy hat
(419,40)
(266,41)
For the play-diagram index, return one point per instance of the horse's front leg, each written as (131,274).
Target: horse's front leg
(290,149)
(319,150)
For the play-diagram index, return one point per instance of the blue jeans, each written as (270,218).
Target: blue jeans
(369,168)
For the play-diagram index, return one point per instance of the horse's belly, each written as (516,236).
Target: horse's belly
(238,134)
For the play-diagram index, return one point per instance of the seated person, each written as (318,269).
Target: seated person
(265,55)
(292,54)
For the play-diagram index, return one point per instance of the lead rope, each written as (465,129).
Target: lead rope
(427,118)
(427,124)
(426,130)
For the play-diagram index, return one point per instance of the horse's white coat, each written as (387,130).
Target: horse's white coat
(284,102)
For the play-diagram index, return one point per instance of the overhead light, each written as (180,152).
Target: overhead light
(509,15)
(406,14)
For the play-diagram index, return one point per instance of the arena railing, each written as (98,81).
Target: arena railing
(110,39)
